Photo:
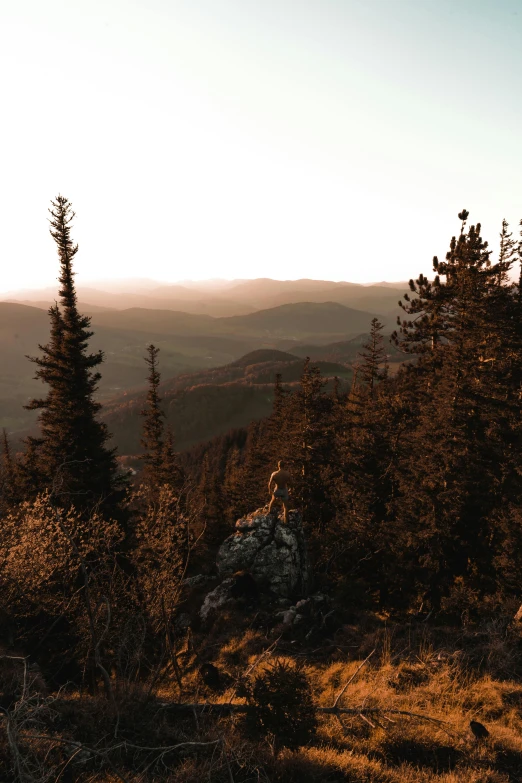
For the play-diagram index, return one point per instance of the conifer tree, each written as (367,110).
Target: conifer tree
(29,472)
(255,469)
(309,445)
(72,453)
(374,361)
(212,502)
(232,484)
(153,419)
(459,463)
(508,245)
(445,311)
(276,426)
(519,256)
(363,541)
(279,398)
(160,458)
(171,471)
(8,483)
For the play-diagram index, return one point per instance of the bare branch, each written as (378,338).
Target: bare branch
(352,678)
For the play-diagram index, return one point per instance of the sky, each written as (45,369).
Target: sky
(330,139)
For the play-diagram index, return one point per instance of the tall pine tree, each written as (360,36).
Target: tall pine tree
(459,463)
(73,458)
(160,459)
(374,361)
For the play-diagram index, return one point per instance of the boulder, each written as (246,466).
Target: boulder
(272,551)
(216,599)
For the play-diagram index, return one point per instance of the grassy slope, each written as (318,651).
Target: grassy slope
(447,675)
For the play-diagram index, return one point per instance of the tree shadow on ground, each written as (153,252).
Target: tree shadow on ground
(437,758)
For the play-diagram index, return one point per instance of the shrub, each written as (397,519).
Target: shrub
(284,710)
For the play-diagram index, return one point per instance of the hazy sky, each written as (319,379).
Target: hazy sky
(243,138)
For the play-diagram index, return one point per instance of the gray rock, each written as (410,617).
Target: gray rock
(272,551)
(197,581)
(216,599)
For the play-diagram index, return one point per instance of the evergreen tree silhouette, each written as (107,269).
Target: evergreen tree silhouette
(9,485)
(374,361)
(160,458)
(153,420)
(459,464)
(308,445)
(212,502)
(253,474)
(71,453)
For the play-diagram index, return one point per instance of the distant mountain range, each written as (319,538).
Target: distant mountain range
(215,325)
(229,299)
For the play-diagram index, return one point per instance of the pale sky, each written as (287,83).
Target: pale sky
(329,139)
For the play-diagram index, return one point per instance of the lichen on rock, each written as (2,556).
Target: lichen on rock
(273,551)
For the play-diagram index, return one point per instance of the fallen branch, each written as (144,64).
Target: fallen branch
(227,709)
(352,678)
(367,720)
(80,747)
(379,711)
(162,750)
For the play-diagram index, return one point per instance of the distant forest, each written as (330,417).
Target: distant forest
(408,483)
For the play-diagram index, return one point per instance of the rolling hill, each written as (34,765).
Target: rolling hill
(297,321)
(189,341)
(208,403)
(316,321)
(251,290)
(238,297)
(23,327)
(165,298)
(345,351)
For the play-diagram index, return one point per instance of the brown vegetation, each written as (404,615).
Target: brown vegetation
(406,666)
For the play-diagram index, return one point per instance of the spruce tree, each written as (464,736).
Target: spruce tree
(309,445)
(374,361)
(8,483)
(508,245)
(255,469)
(213,505)
(160,458)
(72,453)
(153,420)
(171,470)
(460,464)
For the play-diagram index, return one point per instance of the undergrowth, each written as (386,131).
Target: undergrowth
(438,678)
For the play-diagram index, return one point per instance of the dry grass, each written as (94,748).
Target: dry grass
(447,676)
(451,677)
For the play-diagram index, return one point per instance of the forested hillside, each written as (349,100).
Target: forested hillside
(312,570)
(200,405)
(188,342)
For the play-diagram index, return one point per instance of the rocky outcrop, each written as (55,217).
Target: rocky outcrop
(273,552)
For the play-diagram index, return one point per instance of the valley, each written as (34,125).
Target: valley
(201,332)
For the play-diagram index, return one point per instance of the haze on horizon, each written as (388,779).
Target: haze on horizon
(328,139)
